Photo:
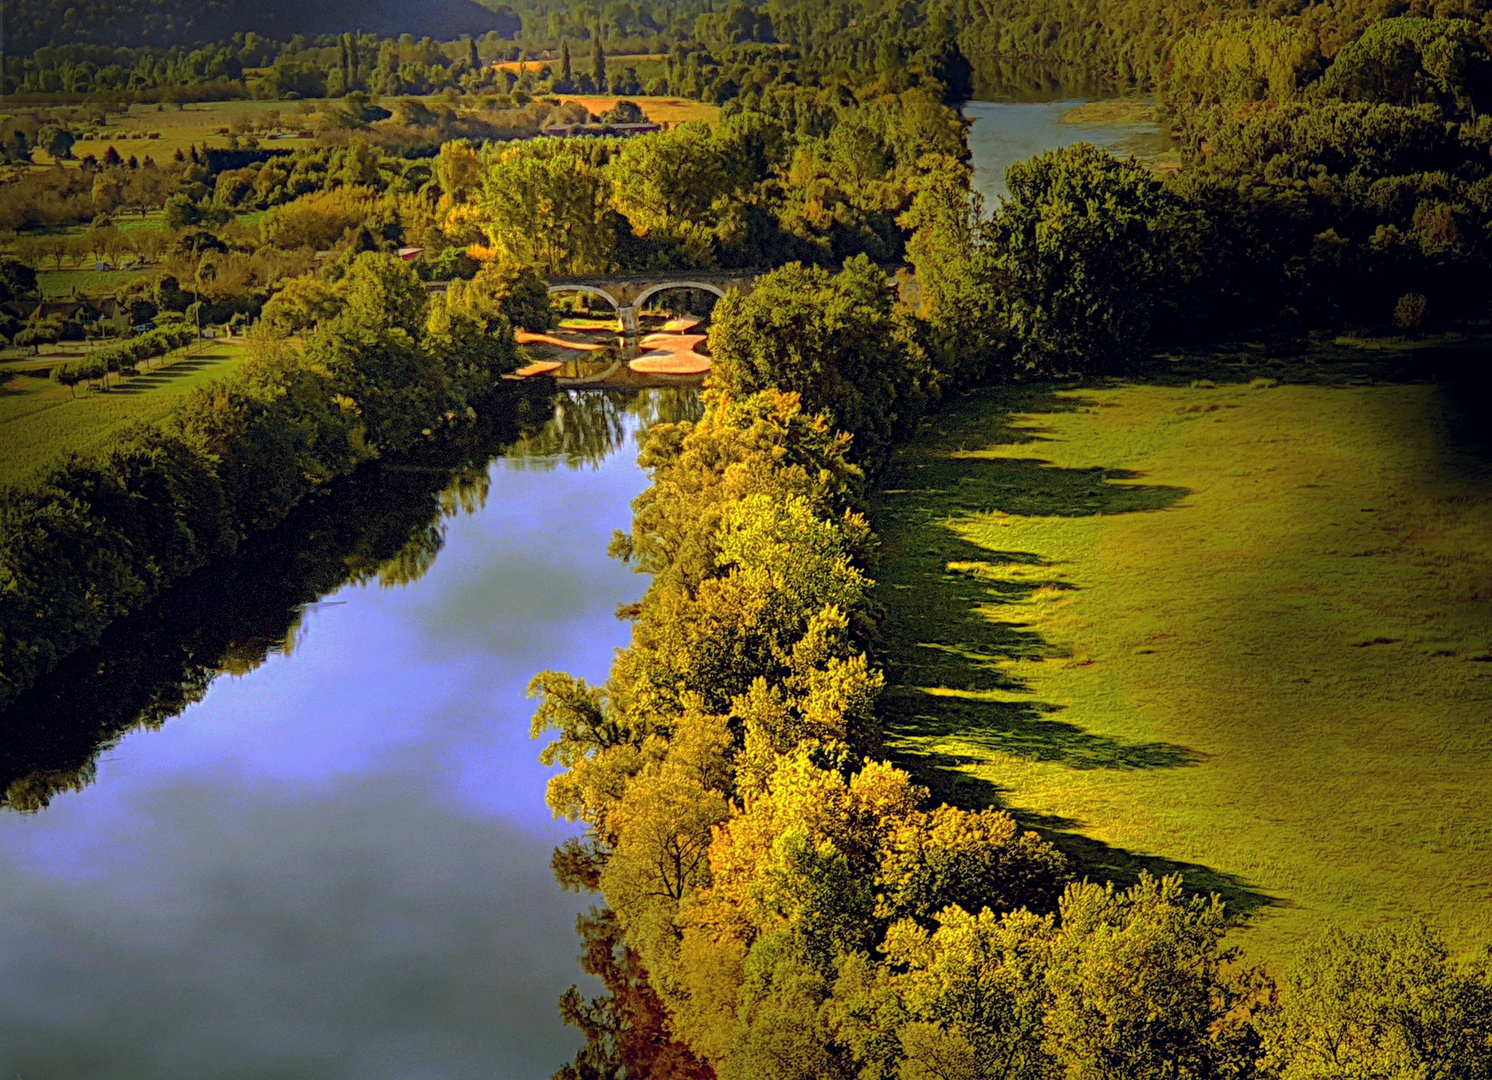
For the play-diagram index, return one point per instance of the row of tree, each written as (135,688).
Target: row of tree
(99,536)
(780,902)
(123,356)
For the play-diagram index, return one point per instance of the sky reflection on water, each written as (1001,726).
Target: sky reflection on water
(337,865)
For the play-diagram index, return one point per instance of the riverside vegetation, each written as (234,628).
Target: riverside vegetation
(98,537)
(779,900)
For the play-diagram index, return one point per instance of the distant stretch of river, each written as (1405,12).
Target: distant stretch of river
(335,864)
(1003,133)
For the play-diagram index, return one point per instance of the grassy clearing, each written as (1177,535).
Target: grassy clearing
(588,323)
(1139,120)
(205,123)
(1114,112)
(175,129)
(55,284)
(1242,631)
(40,422)
(660,110)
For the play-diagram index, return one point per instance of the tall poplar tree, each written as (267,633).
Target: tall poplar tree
(598,64)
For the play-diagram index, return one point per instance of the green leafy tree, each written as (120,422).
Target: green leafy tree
(17,280)
(1138,985)
(831,339)
(57,140)
(670,182)
(375,352)
(1385,1002)
(66,375)
(965,1000)
(517,291)
(1414,61)
(545,204)
(1086,256)
(956,278)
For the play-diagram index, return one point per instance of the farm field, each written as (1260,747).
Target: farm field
(203,123)
(1243,631)
(55,284)
(178,129)
(660,110)
(40,421)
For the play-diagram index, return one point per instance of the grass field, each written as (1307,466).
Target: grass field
(56,284)
(660,110)
(201,123)
(205,123)
(40,421)
(1243,631)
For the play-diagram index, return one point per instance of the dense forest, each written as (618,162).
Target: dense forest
(1252,49)
(777,900)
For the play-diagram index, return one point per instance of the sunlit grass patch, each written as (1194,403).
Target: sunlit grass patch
(41,421)
(60,283)
(660,110)
(578,323)
(1234,629)
(1113,111)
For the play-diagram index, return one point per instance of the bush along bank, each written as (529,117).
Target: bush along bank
(778,900)
(99,536)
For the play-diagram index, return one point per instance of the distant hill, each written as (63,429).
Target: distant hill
(30,24)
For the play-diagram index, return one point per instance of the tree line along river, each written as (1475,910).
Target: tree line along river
(331,857)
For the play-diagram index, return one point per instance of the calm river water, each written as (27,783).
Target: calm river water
(337,864)
(334,862)
(1006,132)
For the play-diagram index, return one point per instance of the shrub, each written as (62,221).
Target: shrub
(317,220)
(1409,312)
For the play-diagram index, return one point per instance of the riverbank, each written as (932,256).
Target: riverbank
(1235,629)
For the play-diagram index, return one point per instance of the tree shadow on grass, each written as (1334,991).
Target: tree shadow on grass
(162,376)
(1087,857)
(941,592)
(1023,729)
(955,635)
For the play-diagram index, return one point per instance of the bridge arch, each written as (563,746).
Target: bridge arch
(653,290)
(590,289)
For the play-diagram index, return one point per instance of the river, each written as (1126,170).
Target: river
(1005,132)
(315,844)
(336,864)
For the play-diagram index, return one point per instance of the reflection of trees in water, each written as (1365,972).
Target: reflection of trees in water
(668,406)
(587,426)
(383,524)
(386,523)
(998,78)
(684,301)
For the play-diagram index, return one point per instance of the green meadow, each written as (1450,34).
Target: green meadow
(1235,627)
(41,421)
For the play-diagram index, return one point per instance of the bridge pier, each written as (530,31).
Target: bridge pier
(627,316)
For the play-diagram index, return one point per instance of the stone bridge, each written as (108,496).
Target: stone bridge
(627,293)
